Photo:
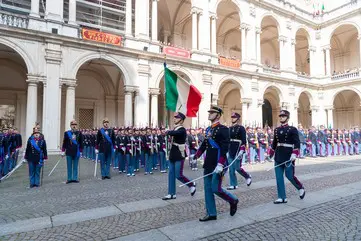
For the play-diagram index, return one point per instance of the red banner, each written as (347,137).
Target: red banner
(234,63)
(100,37)
(177,52)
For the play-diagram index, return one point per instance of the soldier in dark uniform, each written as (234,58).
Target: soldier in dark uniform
(105,146)
(285,147)
(176,157)
(3,152)
(161,150)
(35,154)
(216,145)
(73,149)
(192,140)
(237,144)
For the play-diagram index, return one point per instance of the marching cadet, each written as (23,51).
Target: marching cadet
(130,152)
(285,147)
(18,141)
(149,151)
(237,144)
(73,149)
(3,152)
(177,156)
(35,154)
(120,141)
(138,149)
(161,150)
(115,161)
(105,146)
(193,146)
(216,145)
(330,143)
(261,137)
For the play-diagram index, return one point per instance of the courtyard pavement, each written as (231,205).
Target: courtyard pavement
(130,208)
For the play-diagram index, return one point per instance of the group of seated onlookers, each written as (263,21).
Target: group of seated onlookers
(346,71)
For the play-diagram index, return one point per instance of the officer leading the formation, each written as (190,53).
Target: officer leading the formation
(285,148)
(237,145)
(72,148)
(35,154)
(216,147)
(176,157)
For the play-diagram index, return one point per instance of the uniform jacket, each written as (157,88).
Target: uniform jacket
(179,135)
(288,135)
(237,132)
(69,147)
(31,154)
(102,144)
(220,135)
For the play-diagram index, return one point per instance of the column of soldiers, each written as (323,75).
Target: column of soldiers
(10,144)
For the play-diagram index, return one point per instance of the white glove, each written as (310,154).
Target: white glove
(81,153)
(293,157)
(114,149)
(7,156)
(62,153)
(96,151)
(219,168)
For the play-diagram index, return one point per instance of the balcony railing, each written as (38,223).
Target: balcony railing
(303,77)
(351,75)
(13,20)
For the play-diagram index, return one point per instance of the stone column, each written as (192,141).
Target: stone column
(359,39)
(243,41)
(293,55)
(34,12)
(128,18)
(154,93)
(329,116)
(72,12)
(258,45)
(128,106)
(142,19)
(327,59)
(44,100)
(314,110)
(194,13)
(70,104)
(245,104)
(155,20)
(214,34)
(32,105)
(295,114)
(204,31)
(206,99)
(51,105)
(283,51)
(313,63)
(166,34)
(136,106)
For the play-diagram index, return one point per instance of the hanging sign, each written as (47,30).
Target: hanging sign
(100,37)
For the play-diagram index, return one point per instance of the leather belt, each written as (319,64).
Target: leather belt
(285,145)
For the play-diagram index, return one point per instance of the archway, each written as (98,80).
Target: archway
(101,92)
(165,116)
(271,106)
(304,111)
(302,53)
(13,91)
(345,54)
(229,39)
(270,50)
(175,23)
(229,95)
(347,111)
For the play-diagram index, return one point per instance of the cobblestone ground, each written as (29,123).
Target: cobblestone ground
(336,220)
(134,222)
(17,202)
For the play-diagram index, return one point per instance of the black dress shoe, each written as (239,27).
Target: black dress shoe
(233,209)
(69,181)
(75,181)
(108,177)
(169,197)
(103,178)
(208,218)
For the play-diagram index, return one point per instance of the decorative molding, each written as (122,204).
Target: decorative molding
(154,91)
(291,91)
(329,107)
(293,41)
(318,34)
(315,107)
(260,102)
(312,48)
(289,24)
(326,47)
(282,38)
(285,105)
(320,95)
(213,16)
(252,10)
(246,101)
(258,30)
(144,69)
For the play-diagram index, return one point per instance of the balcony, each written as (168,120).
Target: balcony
(346,76)
(271,70)
(13,20)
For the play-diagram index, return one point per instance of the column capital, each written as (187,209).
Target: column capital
(293,41)
(258,30)
(154,91)
(285,104)
(213,16)
(282,38)
(315,107)
(246,100)
(196,10)
(329,107)
(295,106)
(260,102)
(326,47)
(34,78)
(245,26)
(312,48)
(129,89)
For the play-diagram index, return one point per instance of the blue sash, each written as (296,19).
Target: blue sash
(74,142)
(213,143)
(108,139)
(33,143)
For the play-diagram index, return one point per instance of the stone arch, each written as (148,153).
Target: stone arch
(24,55)
(304,28)
(309,95)
(215,8)
(107,85)
(274,16)
(346,108)
(234,79)
(357,91)
(123,67)
(276,87)
(176,69)
(343,23)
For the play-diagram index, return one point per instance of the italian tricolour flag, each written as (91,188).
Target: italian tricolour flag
(180,95)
